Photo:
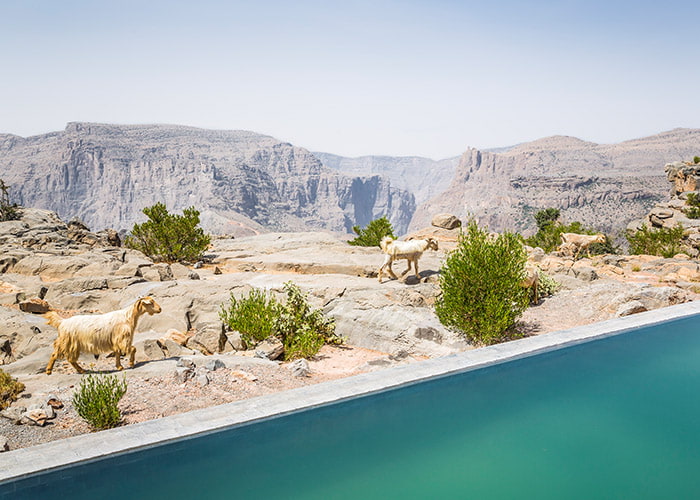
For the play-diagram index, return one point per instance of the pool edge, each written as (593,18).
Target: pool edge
(35,460)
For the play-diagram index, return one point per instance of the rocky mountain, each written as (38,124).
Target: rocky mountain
(423,177)
(241,182)
(602,185)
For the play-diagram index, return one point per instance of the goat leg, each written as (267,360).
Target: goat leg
(52,360)
(118,359)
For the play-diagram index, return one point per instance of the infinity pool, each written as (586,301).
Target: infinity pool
(615,418)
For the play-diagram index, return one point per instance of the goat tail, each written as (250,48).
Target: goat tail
(384,243)
(53,319)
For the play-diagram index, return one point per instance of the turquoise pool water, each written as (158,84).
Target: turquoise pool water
(617,418)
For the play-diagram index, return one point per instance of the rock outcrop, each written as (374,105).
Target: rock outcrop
(685,181)
(603,186)
(242,182)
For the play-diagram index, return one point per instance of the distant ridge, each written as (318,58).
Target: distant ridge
(241,181)
(602,185)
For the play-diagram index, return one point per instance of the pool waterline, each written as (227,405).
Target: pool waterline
(26,462)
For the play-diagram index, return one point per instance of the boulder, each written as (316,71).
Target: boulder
(215,364)
(270,348)
(34,306)
(183,374)
(181,272)
(300,368)
(148,350)
(631,307)
(172,348)
(446,221)
(157,272)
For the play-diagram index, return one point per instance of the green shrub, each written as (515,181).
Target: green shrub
(696,159)
(547,217)
(693,202)
(302,330)
(373,233)
(8,211)
(169,237)
(10,388)
(480,283)
(96,399)
(548,237)
(253,316)
(665,242)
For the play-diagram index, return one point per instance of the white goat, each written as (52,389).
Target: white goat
(409,250)
(98,333)
(575,243)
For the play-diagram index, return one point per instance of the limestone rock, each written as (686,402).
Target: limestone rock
(4,444)
(215,364)
(270,348)
(300,368)
(148,350)
(34,306)
(183,374)
(35,416)
(446,221)
(631,307)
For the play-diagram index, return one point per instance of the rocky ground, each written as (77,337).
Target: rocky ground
(45,262)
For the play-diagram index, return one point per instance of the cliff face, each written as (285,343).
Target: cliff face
(240,181)
(423,177)
(604,186)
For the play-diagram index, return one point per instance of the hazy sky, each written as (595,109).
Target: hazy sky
(400,78)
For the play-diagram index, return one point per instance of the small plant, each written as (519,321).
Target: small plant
(10,388)
(303,330)
(693,202)
(96,400)
(169,237)
(663,241)
(7,211)
(253,316)
(696,159)
(548,286)
(373,233)
(480,284)
(636,268)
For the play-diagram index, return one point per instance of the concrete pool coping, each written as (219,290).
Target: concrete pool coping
(32,461)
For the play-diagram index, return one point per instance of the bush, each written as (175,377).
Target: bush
(665,242)
(548,286)
(547,217)
(302,330)
(693,210)
(548,237)
(169,237)
(7,211)
(480,284)
(10,388)
(96,398)
(373,233)
(253,316)
(696,159)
